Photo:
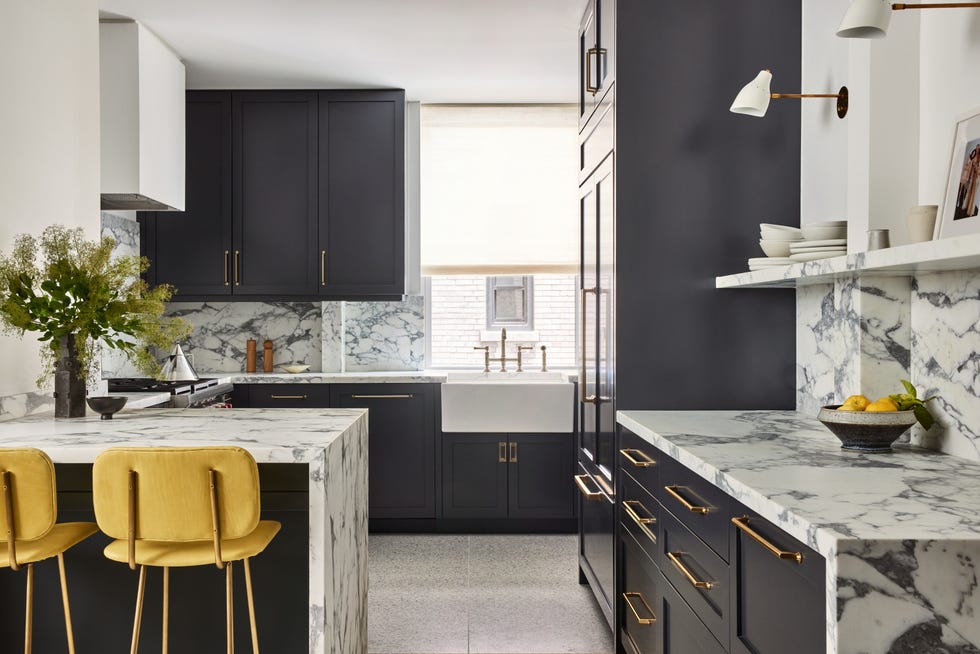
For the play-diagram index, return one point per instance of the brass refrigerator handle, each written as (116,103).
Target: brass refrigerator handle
(591,496)
(513,452)
(693,508)
(742,523)
(588,71)
(639,596)
(323,267)
(697,583)
(226,267)
(502,452)
(581,379)
(237,255)
(631,455)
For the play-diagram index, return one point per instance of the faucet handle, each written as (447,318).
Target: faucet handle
(544,358)
(520,356)
(482,347)
(486,356)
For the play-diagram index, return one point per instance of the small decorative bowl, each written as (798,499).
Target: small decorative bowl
(866,431)
(296,368)
(106,405)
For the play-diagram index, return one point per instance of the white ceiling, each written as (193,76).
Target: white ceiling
(438,50)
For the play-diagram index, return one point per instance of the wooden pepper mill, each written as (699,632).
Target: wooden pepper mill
(267,356)
(250,355)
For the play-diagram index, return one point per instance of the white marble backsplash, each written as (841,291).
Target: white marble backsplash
(126,232)
(384,335)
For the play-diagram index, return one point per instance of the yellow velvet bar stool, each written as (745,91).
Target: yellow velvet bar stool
(28,516)
(179,507)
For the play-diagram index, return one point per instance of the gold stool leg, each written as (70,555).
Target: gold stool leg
(64,600)
(251,608)
(230,609)
(166,609)
(29,614)
(139,611)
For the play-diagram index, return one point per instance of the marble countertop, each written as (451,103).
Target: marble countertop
(407,377)
(271,435)
(790,468)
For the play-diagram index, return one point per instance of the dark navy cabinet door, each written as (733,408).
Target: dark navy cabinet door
(540,467)
(191,249)
(274,192)
(362,193)
(474,475)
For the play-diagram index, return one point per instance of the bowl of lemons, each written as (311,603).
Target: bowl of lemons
(865,426)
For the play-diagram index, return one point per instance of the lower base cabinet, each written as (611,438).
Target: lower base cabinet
(679,593)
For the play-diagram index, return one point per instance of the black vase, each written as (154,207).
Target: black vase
(69,382)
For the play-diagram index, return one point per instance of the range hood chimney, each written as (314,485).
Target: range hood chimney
(142,110)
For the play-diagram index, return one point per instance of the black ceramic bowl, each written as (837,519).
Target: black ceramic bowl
(106,406)
(866,431)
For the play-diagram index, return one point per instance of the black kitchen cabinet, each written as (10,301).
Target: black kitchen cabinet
(274,192)
(362,193)
(294,195)
(597,55)
(513,476)
(192,249)
(402,445)
(597,534)
(284,396)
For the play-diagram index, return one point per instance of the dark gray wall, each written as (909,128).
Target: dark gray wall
(693,182)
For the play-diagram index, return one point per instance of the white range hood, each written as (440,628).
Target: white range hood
(142,96)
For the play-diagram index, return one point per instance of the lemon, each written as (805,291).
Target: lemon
(882,404)
(855,403)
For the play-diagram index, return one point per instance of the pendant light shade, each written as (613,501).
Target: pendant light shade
(866,19)
(753,99)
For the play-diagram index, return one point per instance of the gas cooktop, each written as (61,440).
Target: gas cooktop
(147,385)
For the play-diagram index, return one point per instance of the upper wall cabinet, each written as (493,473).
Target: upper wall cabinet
(597,55)
(291,194)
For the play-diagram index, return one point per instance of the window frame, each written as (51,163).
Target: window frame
(527,286)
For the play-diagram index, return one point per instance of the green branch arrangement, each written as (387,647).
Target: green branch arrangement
(61,284)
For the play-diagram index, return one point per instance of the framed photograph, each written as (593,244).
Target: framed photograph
(960,210)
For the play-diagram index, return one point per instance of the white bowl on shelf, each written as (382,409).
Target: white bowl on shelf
(772,232)
(775,248)
(832,229)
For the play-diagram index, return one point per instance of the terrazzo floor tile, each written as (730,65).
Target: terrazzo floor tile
(487,594)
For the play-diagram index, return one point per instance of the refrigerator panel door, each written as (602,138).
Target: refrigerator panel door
(588,363)
(605,303)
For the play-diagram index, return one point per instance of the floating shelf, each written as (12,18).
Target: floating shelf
(960,253)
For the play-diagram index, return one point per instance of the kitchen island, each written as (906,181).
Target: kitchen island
(330,443)
(899,532)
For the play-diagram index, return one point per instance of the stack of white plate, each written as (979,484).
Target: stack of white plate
(764,263)
(821,240)
(776,239)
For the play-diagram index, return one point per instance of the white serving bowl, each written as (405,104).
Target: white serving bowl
(775,248)
(822,232)
(295,368)
(772,232)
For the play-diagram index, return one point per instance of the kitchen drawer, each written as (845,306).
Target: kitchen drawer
(597,538)
(641,625)
(640,459)
(696,502)
(638,513)
(700,576)
(778,602)
(599,138)
(291,396)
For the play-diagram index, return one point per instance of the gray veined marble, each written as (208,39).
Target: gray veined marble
(384,335)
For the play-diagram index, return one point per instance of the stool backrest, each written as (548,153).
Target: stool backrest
(173,494)
(30,493)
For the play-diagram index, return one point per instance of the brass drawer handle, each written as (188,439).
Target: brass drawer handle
(383,397)
(643,462)
(693,508)
(743,524)
(288,397)
(237,256)
(513,452)
(502,452)
(636,614)
(226,267)
(591,496)
(697,583)
(640,521)
(323,267)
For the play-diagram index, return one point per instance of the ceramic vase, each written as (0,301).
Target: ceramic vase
(69,381)
(922,223)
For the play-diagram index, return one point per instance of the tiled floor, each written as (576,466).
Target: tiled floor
(480,594)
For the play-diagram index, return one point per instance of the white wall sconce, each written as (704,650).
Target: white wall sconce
(868,19)
(753,99)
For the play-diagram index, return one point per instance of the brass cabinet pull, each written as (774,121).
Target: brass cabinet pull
(237,255)
(383,397)
(628,506)
(591,496)
(502,452)
(743,524)
(646,607)
(288,397)
(630,455)
(693,508)
(588,71)
(226,267)
(323,267)
(513,452)
(697,583)
(581,379)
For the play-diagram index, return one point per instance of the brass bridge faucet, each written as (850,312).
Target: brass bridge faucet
(503,359)
(503,353)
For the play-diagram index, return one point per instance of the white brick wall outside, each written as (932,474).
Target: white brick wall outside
(459,314)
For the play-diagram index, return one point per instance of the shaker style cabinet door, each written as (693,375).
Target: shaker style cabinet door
(540,467)
(191,249)
(274,192)
(474,475)
(402,437)
(588,39)
(362,193)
